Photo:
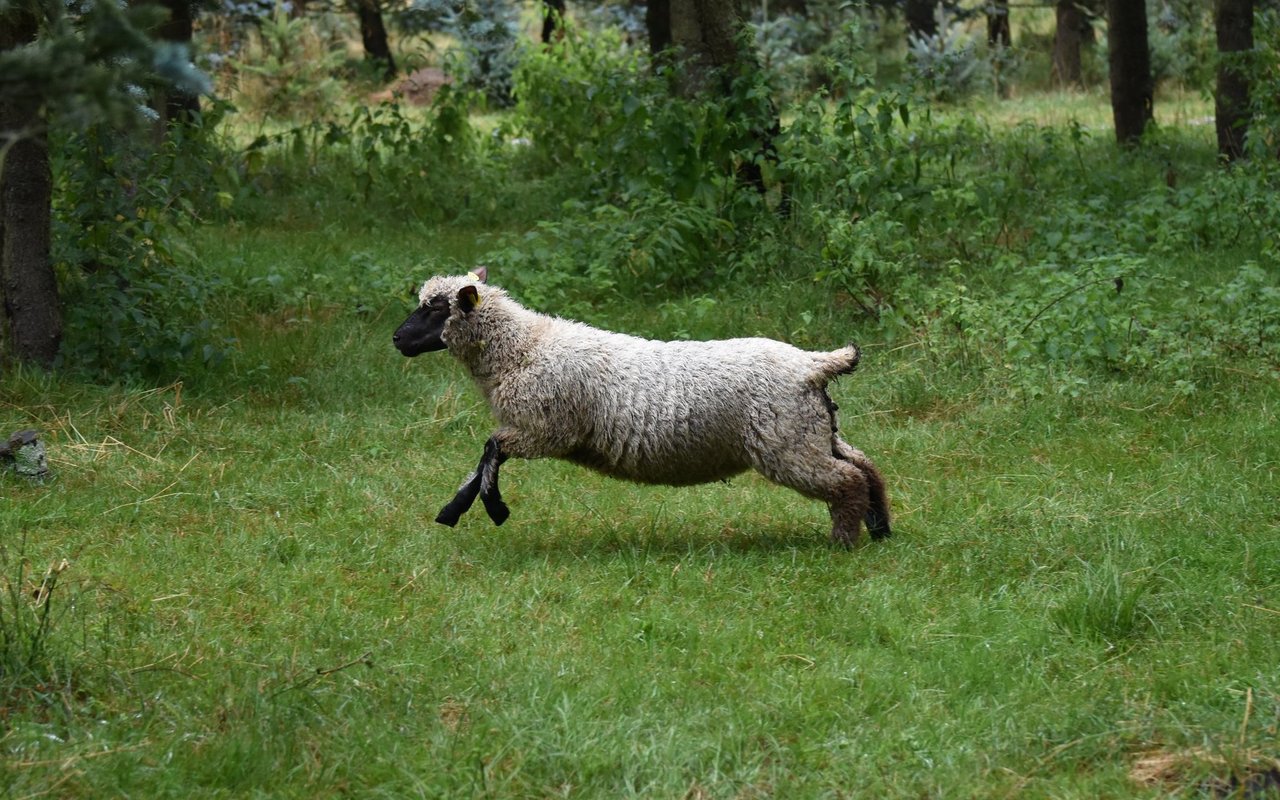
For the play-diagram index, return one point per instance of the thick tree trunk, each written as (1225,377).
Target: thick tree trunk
(1071,24)
(1234,20)
(32,317)
(998,32)
(707,32)
(374,35)
(1132,87)
(552,14)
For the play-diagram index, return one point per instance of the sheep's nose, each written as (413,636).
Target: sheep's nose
(395,337)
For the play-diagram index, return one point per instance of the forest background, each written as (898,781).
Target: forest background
(1052,228)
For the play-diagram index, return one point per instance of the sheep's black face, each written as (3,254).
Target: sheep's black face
(423,331)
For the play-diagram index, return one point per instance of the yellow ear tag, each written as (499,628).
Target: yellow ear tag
(475,277)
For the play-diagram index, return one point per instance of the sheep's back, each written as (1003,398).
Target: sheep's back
(658,412)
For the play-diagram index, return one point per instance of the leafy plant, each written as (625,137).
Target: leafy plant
(137,303)
(487,41)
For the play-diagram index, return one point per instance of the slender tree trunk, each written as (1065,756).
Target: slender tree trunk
(552,14)
(998,32)
(920,18)
(374,35)
(32,316)
(657,20)
(999,39)
(1132,88)
(1067,37)
(179,105)
(1234,20)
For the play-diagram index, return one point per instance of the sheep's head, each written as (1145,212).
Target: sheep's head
(441,297)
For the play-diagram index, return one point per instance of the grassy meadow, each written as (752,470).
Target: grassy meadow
(232,584)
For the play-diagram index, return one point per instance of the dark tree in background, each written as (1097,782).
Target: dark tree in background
(920,18)
(177,104)
(373,32)
(1234,22)
(31,328)
(657,21)
(998,31)
(552,14)
(1067,38)
(706,31)
(1132,86)
(714,53)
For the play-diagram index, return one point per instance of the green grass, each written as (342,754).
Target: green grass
(259,603)
(1083,588)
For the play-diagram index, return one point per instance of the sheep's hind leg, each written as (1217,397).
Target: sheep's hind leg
(483,482)
(878,517)
(835,481)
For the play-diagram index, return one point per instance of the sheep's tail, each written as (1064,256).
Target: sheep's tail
(838,362)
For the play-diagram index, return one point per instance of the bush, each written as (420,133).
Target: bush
(136,300)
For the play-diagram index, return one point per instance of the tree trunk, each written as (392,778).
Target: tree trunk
(1071,24)
(920,19)
(552,14)
(374,35)
(32,317)
(1132,87)
(657,20)
(707,33)
(1234,21)
(998,32)
(179,106)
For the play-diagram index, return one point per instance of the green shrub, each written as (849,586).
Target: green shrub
(136,298)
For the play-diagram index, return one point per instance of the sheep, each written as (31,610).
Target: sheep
(674,413)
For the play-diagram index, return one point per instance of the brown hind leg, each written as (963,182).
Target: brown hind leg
(877,517)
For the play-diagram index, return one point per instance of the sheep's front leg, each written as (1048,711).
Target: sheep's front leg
(483,482)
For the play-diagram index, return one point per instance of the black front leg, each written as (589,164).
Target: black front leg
(450,514)
(483,483)
(489,493)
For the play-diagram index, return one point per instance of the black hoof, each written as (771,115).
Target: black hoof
(878,526)
(498,511)
(449,515)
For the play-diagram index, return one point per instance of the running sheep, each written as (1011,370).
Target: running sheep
(675,413)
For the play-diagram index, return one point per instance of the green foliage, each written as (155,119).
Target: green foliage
(136,298)
(381,161)
(661,171)
(1263,140)
(286,69)
(93,61)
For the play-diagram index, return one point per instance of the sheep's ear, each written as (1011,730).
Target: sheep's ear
(480,274)
(468,298)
